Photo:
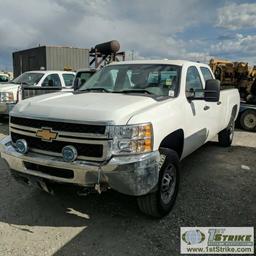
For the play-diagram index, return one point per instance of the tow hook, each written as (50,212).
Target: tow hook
(98,188)
(102,187)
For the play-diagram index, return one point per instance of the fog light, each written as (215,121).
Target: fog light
(22,146)
(69,153)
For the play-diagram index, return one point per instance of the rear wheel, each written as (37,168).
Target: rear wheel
(248,120)
(160,202)
(225,136)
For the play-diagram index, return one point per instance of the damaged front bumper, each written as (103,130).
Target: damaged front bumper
(132,175)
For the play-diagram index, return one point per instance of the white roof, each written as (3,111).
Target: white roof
(3,74)
(164,61)
(50,72)
(85,69)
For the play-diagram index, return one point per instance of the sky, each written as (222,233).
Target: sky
(174,29)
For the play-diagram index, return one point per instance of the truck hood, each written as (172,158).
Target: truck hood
(95,107)
(8,87)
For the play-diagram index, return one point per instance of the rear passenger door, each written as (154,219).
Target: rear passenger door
(213,109)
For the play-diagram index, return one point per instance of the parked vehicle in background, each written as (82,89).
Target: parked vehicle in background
(127,129)
(33,83)
(4,78)
(82,76)
(247,112)
(247,116)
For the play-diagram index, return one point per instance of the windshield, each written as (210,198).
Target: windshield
(155,79)
(28,78)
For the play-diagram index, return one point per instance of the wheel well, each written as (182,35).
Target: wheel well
(233,114)
(234,111)
(174,141)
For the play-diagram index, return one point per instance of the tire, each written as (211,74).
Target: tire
(159,203)
(225,136)
(248,120)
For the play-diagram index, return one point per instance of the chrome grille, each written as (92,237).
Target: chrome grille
(90,140)
(59,126)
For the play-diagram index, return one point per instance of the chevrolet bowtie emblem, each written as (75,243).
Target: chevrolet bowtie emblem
(46,134)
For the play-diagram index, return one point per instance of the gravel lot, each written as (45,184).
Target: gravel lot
(217,189)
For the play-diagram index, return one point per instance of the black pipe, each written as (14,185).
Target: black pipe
(108,47)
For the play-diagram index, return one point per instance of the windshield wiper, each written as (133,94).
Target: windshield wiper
(134,90)
(95,89)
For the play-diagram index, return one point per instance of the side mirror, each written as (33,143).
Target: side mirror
(190,94)
(77,83)
(212,90)
(197,94)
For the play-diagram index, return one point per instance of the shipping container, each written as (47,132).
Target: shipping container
(50,58)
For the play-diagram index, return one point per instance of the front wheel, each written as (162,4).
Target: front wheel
(226,136)
(160,202)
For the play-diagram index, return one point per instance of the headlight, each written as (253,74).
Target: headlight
(132,139)
(6,97)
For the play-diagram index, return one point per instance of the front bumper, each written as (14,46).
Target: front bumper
(131,175)
(6,108)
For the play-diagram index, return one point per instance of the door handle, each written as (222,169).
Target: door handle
(219,102)
(206,107)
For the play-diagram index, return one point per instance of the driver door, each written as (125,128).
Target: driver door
(215,113)
(196,126)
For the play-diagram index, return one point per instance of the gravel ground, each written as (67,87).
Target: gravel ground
(217,189)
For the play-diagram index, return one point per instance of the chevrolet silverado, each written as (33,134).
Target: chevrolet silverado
(127,128)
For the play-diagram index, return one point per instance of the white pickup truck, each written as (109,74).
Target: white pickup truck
(10,93)
(127,128)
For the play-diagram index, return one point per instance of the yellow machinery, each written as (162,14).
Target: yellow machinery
(234,74)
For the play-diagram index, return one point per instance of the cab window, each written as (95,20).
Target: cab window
(68,79)
(193,80)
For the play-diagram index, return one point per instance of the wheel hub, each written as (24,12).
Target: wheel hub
(250,120)
(168,184)
(231,131)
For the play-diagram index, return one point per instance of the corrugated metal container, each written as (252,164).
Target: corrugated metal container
(51,58)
